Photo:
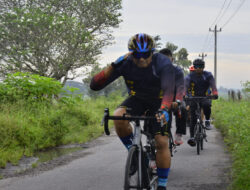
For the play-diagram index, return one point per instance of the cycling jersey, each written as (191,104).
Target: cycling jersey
(157,81)
(198,85)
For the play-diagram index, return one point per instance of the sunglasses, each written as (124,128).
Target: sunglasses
(139,55)
(199,66)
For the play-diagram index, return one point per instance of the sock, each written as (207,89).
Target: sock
(127,141)
(162,176)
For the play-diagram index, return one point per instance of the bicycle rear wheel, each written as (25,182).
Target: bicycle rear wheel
(133,178)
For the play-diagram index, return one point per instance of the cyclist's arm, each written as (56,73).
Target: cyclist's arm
(213,85)
(179,83)
(187,85)
(168,86)
(105,77)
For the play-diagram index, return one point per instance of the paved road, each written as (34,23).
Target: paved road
(102,168)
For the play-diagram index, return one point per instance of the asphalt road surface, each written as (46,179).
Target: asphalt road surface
(101,167)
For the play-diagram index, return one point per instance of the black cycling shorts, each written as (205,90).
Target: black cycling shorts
(147,107)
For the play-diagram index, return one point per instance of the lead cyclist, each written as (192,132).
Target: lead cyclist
(150,81)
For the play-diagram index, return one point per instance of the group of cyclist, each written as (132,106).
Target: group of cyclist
(154,83)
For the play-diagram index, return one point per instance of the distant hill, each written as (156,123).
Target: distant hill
(74,84)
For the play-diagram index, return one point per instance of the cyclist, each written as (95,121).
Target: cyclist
(180,114)
(197,83)
(191,69)
(150,81)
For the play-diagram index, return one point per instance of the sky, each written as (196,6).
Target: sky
(186,24)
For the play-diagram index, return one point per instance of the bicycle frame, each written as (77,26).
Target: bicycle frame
(137,143)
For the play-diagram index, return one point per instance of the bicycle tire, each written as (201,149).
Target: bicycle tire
(202,138)
(198,146)
(132,178)
(171,144)
(197,138)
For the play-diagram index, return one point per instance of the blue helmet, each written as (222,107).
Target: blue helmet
(141,43)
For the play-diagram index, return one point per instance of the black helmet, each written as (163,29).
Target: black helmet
(141,43)
(198,62)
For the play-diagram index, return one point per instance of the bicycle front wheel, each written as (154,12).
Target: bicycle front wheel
(133,179)
(198,138)
(202,140)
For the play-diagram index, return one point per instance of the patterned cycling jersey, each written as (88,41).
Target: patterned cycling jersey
(153,82)
(198,85)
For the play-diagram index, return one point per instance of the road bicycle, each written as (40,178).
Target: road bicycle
(199,130)
(138,174)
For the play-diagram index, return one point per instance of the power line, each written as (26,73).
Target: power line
(230,18)
(206,42)
(224,11)
(223,5)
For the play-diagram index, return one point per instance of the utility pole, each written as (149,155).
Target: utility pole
(203,56)
(215,51)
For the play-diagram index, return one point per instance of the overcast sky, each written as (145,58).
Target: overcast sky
(186,23)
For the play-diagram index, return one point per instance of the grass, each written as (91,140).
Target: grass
(29,127)
(233,119)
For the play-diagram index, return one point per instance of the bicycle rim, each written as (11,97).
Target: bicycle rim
(132,177)
(154,182)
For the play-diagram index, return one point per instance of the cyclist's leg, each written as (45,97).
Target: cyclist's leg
(163,157)
(193,107)
(180,125)
(123,127)
(206,105)
(181,120)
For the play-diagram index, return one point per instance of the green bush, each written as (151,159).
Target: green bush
(27,86)
(32,120)
(28,126)
(233,119)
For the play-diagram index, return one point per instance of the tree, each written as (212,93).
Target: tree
(157,41)
(180,57)
(171,47)
(54,38)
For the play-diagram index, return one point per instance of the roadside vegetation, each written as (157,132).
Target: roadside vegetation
(34,116)
(233,120)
